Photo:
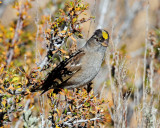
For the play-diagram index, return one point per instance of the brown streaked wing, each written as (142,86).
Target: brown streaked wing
(63,72)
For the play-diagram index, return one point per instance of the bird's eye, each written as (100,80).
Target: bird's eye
(101,39)
(96,39)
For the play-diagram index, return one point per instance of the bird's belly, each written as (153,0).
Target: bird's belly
(87,73)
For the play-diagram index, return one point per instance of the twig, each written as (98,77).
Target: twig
(144,67)
(19,26)
(21,117)
(81,121)
(42,115)
(71,121)
(45,61)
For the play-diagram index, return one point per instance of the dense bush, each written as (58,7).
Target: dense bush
(29,52)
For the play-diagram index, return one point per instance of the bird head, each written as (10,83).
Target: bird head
(101,36)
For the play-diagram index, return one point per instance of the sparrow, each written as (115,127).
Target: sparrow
(81,67)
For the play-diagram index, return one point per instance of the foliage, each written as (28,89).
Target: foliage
(78,109)
(28,52)
(16,59)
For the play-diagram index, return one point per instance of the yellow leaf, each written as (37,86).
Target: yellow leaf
(73,39)
(77,9)
(20,89)
(16,78)
(15,114)
(27,91)
(58,111)
(3,103)
(70,107)
(1,92)
(105,35)
(70,9)
(63,51)
(98,108)
(1,81)
(19,86)
(84,13)
(66,57)
(61,93)
(53,52)
(5,117)
(72,13)
(16,51)
(57,126)
(69,34)
(0,2)
(11,29)
(63,32)
(10,87)
(49,30)
(74,20)
(1,69)
(54,95)
(80,5)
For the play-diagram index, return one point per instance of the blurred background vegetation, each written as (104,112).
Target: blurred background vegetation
(126,92)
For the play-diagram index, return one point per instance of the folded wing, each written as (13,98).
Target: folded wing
(63,72)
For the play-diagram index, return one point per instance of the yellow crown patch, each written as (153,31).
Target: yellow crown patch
(105,35)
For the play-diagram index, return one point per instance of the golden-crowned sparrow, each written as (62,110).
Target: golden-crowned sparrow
(81,67)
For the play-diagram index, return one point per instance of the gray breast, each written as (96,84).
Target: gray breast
(88,71)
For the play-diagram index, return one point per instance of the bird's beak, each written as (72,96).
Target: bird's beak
(105,43)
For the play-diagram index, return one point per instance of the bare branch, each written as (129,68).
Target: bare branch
(25,108)
(19,27)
